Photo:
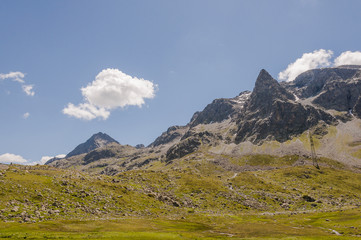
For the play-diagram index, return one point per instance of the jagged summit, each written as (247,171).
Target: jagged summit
(266,90)
(272,113)
(264,78)
(97,140)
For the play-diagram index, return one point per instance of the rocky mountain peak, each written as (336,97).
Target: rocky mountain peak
(264,78)
(97,140)
(268,87)
(266,91)
(273,114)
(100,138)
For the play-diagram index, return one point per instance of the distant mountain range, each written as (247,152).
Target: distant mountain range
(275,118)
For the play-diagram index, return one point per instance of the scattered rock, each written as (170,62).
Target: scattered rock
(15,209)
(308,198)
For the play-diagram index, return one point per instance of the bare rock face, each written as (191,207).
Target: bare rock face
(266,90)
(190,143)
(139,146)
(220,110)
(272,114)
(217,111)
(335,88)
(96,141)
(357,108)
(173,133)
(96,155)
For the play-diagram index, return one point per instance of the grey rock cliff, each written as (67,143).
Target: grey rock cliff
(220,110)
(335,88)
(173,133)
(357,108)
(272,113)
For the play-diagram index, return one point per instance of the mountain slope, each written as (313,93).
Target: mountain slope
(97,140)
(192,185)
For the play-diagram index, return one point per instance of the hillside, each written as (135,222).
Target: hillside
(193,190)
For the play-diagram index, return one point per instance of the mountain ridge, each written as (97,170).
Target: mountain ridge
(274,118)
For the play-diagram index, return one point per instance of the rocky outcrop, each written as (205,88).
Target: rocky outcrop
(339,95)
(335,88)
(97,140)
(357,108)
(190,143)
(173,133)
(272,114)
(220,110)
(217,111)
(96,155)
(139,146)
(266,90)
(52,160)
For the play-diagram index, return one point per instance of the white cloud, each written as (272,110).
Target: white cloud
(315,59)
(86,111)
(26,115)
(111,89)
(12,158)
(28,89)
(19,77)
(15,76)
(348,58)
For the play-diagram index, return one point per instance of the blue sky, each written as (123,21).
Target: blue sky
(190,52)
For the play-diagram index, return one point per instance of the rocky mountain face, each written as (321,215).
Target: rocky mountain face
(275,118)
(173,133)
(357,107)
(273,114)
(331,88)
(97,140)
(220,110)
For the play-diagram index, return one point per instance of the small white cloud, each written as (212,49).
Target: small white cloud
(316,59)
(12,158)
(86,111)
(28,89)
(111,89)
(15,76)
(26,115)
(348,58)
(19,77)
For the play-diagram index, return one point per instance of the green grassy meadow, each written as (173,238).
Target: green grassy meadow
(253,197)
(279,226)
